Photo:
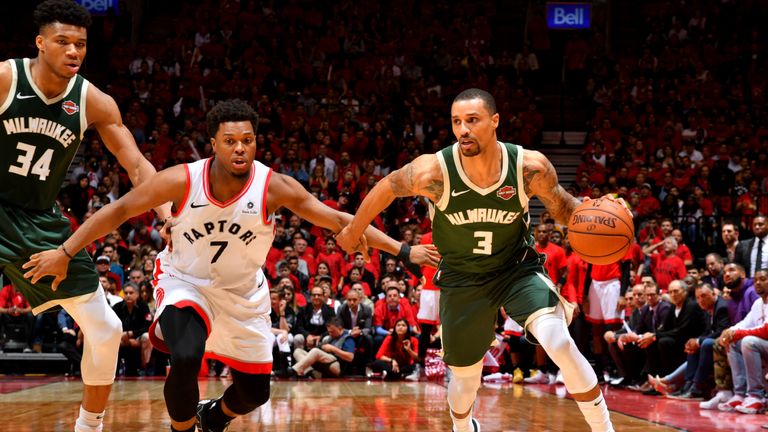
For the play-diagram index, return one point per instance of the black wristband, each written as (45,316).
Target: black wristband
(405,253)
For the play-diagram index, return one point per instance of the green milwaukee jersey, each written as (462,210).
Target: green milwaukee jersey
(479,230)
(38,139)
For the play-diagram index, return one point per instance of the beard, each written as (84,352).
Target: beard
(735,283)
(470,152)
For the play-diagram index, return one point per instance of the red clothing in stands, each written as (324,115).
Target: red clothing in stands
(667,269)
(555,260)
(400,356)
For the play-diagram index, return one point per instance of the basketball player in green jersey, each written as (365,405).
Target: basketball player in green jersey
(45,107)
(479,190)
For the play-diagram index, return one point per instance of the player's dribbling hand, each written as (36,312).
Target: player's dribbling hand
(621,201)
(52,262)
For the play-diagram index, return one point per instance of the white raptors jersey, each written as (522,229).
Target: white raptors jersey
(223,244)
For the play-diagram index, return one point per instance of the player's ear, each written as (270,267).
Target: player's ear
(213,143)
(39,42)
(495,120)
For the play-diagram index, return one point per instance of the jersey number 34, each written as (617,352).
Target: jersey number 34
(41,168)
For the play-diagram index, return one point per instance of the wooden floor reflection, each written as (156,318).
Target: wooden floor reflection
(308,406)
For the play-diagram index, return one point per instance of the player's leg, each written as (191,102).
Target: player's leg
(532,299)
(101,342)
(184,332)
(247,392)
(468,319)
(551,331)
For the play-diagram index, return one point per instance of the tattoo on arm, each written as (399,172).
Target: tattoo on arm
(559,202)
(435,190)
(401,181)
(528,175)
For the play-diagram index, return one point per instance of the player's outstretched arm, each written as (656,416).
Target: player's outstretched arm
(540,179)
(420,177)
(286,192)
(103,114)
(167,186)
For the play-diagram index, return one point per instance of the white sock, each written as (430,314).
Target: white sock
(89,422)
(596,414)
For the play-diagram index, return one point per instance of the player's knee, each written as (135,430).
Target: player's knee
(106,333)
(248,392)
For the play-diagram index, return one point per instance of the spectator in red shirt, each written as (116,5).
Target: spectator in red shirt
(683,252)
(14,309)
(648,204)
(386,314)
(333,258)
(668,266)
(398,353)
(556,262)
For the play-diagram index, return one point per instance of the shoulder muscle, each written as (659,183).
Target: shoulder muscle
(101,109)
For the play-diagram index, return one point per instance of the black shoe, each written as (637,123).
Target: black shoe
(203,407)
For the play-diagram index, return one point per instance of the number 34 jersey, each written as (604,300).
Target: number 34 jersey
(38,138)
(220,244)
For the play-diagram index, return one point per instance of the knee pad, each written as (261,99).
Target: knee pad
(102,330)
(463,387)
(247,392)
(552,333)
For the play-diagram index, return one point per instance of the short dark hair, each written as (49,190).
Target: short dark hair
(231,110)
(61,11)
(476,93)
(336,322)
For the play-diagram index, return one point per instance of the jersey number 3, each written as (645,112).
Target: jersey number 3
(485,242)
(41,168)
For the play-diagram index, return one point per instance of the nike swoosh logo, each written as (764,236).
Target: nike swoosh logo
(598,402)
(20,96)
(193,205)
(455,194)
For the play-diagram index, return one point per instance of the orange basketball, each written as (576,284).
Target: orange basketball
(601,231)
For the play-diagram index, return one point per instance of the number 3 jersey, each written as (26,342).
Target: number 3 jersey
(479,230)
(38,138)
(221,244)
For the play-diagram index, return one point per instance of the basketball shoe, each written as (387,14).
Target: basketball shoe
(203,408)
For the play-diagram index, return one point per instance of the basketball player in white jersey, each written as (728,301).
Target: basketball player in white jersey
(211,293)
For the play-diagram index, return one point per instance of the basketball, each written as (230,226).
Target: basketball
(601,231)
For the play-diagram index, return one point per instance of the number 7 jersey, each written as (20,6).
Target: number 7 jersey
(222,244)
(479,230)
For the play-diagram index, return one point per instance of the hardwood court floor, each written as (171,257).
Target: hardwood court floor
(50,404)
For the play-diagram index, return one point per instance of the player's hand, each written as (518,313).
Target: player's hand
(425,255)
(327,348)
(621,201)
(165,233)
(52,262)
(347,241)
